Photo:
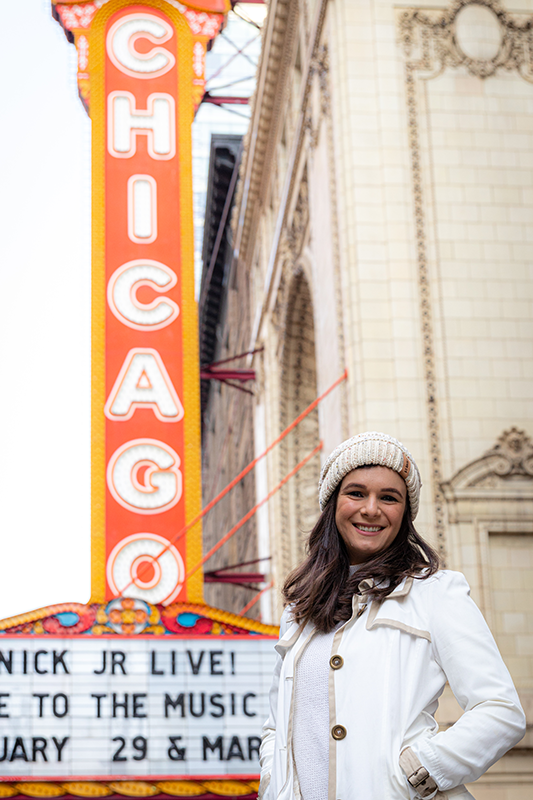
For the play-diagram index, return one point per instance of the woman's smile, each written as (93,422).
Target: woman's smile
(370,509)
(366,528)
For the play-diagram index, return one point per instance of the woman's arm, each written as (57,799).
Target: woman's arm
(268,736)
(493,721)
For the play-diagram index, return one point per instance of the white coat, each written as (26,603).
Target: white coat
(396,657)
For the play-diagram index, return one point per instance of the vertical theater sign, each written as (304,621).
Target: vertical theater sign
(145,691)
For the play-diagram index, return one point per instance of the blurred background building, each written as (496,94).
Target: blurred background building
(382,222)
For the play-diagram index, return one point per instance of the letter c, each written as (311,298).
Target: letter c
(121,41)
(38,670)
(123,286)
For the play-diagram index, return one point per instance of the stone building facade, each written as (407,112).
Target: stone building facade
(227,407)
(383,225)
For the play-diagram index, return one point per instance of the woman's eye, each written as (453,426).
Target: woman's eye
(389,498)
(355,494)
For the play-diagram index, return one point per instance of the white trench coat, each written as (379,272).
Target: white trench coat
(396,657)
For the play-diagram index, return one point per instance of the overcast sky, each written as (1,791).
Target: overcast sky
(45,293)
(45,319)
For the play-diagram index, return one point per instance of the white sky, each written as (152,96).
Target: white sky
(45,318)
(45,234)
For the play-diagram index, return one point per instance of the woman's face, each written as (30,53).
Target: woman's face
(370,508)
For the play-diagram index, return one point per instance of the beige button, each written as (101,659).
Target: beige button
(338,731)
(336,662)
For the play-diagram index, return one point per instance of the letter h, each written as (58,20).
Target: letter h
(126,122)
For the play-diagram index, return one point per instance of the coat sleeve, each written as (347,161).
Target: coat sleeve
(268,735)
(493,719)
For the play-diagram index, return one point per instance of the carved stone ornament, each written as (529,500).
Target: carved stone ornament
(292,237)
(479,35)
(300,219)
(507,464)
(514,450)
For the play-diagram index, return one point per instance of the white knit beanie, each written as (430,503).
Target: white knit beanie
(364,450)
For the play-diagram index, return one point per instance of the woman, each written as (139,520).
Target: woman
(372,632)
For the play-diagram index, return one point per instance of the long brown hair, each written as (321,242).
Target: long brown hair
(320,590)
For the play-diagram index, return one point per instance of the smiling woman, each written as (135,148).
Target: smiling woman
(372,632)
(370,507)
(369,493)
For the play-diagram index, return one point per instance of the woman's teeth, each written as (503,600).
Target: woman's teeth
(369,528)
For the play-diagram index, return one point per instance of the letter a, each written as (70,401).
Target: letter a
(143,382)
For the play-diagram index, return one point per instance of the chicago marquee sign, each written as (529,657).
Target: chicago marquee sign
(144,691)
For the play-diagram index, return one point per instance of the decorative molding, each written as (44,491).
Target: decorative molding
(411,67)
(292,241)
(271,73)
(507,465)
(281,88)
(515,450)
(249,204)
(320,68)
(127,617)
(295,235)
(432,38)
(324,83)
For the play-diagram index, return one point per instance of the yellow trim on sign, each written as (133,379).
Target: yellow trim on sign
(189,312)
(131,788)
(97,113)
(196,5)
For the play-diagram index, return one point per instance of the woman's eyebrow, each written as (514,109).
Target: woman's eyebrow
(362,486)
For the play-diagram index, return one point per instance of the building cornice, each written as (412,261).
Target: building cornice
(266,102)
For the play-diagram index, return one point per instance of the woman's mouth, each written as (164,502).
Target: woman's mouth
(368,528)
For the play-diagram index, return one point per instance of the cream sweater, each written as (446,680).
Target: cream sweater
(311,715)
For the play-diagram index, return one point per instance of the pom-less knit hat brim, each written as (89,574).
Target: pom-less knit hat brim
(364,450)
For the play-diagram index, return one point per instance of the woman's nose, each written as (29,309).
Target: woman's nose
(371,506)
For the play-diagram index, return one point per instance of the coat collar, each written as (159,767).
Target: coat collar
(365,587)
(402,590)
(291,635)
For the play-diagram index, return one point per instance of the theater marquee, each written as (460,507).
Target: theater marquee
(139,706)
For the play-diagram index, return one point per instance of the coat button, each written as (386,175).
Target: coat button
(338,731)
(336,662)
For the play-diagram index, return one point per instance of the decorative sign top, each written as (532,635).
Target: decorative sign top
(212,6)
(204,21)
